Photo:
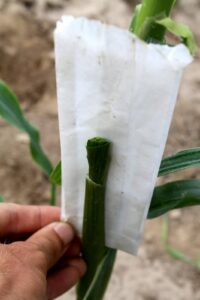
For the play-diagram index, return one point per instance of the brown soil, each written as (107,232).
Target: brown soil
(27,64)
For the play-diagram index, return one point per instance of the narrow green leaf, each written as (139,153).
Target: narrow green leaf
(1,199)
(134,18)
(179,161)
(55,176)
(178,255)
(9,107)
(173,252)
(53,195)
(102,276)
(165,230)
(173,195)
(180,30)
(10,110)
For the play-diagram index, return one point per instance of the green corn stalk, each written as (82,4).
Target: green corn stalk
(143,24)
(93,237)
(102,276)
(152,19)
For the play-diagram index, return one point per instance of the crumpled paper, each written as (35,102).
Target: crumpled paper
(113,85)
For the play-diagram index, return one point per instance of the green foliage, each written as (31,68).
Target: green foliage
(151,20)
(173,195)
(132,27)
(173,252)
(11,112)
(150,23)
(181,160)
(180,30)
(144,25)
(1,199)
(55,176)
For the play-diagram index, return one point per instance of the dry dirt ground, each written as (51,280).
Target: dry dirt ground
(27,64)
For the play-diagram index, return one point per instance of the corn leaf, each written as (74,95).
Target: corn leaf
(101,278)
(178,255)
(179,161)
(165,229)
(56,174)
(1,199)
(173,195)
(10,111)
(135,16)
(173,252)
(180,30)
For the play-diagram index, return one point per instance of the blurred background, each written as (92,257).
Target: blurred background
(27,65)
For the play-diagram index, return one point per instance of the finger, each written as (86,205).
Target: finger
(49,244)
(14,238)
(61,281)
(74,249)
(18,219)
(63,261)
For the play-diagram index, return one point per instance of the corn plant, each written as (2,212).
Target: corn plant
(171,250)
(11,112)
(150,22)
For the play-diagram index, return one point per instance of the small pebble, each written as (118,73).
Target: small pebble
(175,214)
(22,138)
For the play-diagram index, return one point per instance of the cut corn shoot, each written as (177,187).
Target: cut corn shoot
(94,249)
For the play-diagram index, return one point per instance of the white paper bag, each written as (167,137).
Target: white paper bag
(113,85)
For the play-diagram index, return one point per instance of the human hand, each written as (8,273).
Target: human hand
(39,260)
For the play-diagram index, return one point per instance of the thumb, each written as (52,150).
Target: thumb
(49,244)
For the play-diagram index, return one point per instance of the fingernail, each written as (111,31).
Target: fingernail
(64,231)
